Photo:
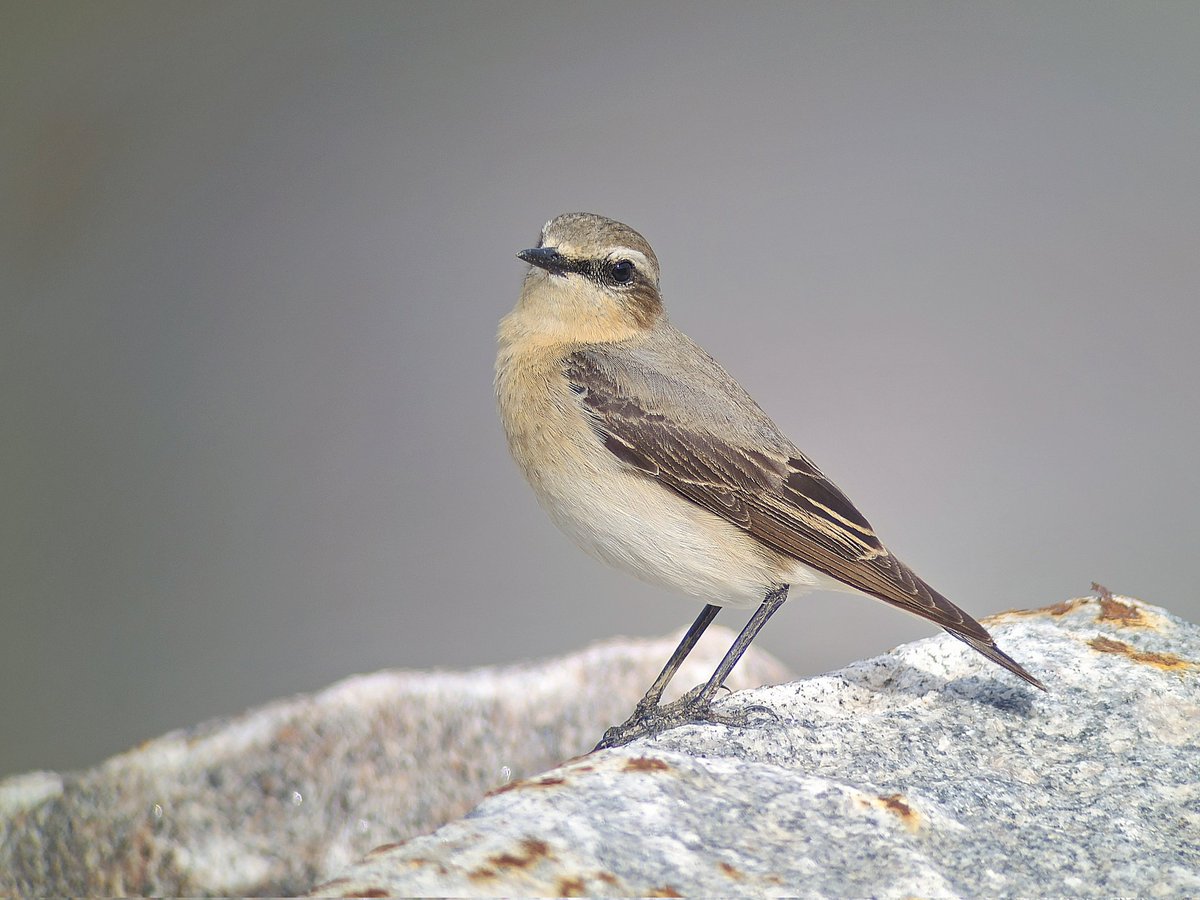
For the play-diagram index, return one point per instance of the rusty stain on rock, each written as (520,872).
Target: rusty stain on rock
(370,892)
(384,848)
(1168,662)
(570,887)
(1112,610)
(895,803)
(534,847)
(645,764)
(510,860)
(1122,614)
(483,873)
(505,788)
(1064,607)
(572,763)
(533,850)
(548,781)
(665,891)
(1056,609)
(731,871)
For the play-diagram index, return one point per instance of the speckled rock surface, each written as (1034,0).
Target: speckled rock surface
(279,798)
(926,772)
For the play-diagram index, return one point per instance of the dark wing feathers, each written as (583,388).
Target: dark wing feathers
(781,498)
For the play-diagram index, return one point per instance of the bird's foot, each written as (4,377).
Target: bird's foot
(693,708)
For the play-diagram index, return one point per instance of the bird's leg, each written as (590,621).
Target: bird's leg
(644,711)
(696,704)
(681,653)
(773,601)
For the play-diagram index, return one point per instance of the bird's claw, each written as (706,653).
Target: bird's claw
(690,709)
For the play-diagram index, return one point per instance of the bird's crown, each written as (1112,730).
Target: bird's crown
(584,237)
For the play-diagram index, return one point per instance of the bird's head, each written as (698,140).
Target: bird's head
(593,277)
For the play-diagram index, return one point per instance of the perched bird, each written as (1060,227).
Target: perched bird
(652,458)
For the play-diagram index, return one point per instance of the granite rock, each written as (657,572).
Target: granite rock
(926,772)
(272,801)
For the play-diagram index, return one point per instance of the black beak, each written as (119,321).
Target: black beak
(547,258)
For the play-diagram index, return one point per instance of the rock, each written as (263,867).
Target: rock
(276,799)
(926,772)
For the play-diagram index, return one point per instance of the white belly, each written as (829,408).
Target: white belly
(640,526)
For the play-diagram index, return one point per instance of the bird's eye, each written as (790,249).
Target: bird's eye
(622,271)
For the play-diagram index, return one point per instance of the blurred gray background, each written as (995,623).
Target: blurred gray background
(254,256)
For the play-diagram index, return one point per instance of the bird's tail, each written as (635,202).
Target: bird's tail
(902,587)
(989,649)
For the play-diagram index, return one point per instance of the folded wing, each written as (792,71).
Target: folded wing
(776,494)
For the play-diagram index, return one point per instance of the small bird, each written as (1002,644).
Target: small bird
(652,458)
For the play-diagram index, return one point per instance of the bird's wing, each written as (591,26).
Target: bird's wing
(773,492)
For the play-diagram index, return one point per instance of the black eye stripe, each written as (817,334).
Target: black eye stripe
(619,272)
